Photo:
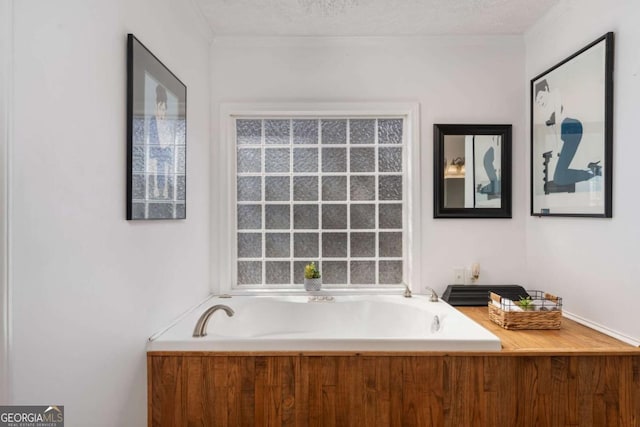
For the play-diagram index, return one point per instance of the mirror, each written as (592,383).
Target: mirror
(472,171)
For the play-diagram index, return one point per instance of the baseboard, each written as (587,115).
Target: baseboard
(610,332)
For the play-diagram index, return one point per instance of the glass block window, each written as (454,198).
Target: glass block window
(329,190)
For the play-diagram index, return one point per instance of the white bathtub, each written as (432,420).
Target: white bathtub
(347,323)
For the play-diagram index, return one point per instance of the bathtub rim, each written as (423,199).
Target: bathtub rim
(387,290)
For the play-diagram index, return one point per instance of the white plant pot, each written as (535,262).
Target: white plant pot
(312,284)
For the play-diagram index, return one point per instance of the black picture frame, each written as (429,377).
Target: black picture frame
(503,134)
(156,137)
(571,125)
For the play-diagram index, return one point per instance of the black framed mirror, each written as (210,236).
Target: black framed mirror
(472,171)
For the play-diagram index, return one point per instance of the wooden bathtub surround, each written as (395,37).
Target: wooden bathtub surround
(571,377)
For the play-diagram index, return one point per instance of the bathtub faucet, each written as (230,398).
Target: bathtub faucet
(201,326)
(434,295)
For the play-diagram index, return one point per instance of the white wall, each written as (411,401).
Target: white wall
(89,287)
(6,36)
(455,80)
(593,263)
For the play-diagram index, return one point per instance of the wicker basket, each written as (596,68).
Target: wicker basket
(546,313)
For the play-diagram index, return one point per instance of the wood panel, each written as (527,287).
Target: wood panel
(394,390)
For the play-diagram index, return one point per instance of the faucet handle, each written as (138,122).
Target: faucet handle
(407,291)
(434,295)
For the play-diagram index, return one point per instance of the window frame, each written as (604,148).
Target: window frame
(224,227)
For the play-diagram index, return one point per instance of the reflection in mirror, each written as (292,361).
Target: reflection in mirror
(470,163)
(473,184)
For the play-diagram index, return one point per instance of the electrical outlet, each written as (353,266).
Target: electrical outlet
(458,276)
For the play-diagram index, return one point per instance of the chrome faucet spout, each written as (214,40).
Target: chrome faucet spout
(434,295)
(201,326)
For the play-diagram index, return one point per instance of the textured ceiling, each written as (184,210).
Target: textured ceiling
(371,17)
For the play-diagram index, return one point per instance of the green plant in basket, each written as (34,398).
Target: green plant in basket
(526,303)
(311,272)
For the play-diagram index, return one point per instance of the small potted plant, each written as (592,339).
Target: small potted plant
(526,303)
(312,278)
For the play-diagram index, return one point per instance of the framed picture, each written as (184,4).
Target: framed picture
(572,134)
(472,171)
(156,137)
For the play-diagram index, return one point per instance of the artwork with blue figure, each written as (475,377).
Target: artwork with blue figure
(161,145)
(487,164)
(493,187)
(570,132)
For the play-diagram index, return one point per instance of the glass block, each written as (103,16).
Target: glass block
(390,244)
(305,217)
(390,187)
(249,188)
(363,245)
(249,245)
(334,131)
(138,211)
(305,131)
(362,131)
(363,272)
(305,160)
(334,245)
(160,187)
(390,272)
(277,217)
(390,215)
(390,131)
(181,187)
(305,245)
(181,153)
(138,190)
(363,188)
(363,216)
(249,217)
(276,131)
(249,160)
(363,159)
(138,130)
(298,270)
(334,188)
(305,188)
(334,159)
(334,217)
(390,159)
(160,211)
(276,160)
(181,211)
(277,188)
(278,272)
(277,245)
(248,131)
(161,160)
(249,272)
(150,163)
(334,272)
(181,131)
(138,159)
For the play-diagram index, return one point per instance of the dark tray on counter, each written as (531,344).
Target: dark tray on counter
(478,295)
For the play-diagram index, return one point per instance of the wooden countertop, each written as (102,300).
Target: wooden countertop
(572,338)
